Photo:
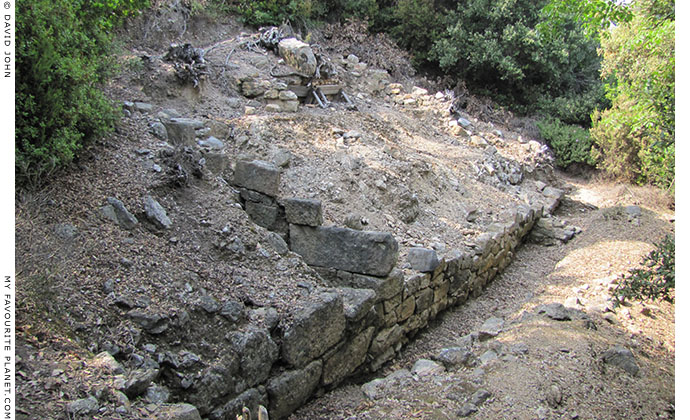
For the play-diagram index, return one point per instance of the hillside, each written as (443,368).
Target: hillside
(194,292)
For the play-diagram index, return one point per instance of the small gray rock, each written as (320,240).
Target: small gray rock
(143,107)
(209,304)
(234,311)
(467,409)
(156,394)
(555,311)
(487,357)
(108,362)
(491,328)
(159,130)
(424,367)
(84,406)
(454,356)
(178,412)
(479,397)
(464,122)
(156,213)
(623,358)
(554,397)
(138,381)
(212,143)
(121,215)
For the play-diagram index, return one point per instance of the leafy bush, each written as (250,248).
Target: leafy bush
(657,277)
(417,25)
(62,60)
(497,46)
(636,136)
(570,143)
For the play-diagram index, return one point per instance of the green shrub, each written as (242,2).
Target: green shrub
(417,26)
(62,61)
(497,47)
(636,136)
(570,143)
(655,280)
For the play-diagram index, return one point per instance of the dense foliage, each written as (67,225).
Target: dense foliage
(656,279)
(636,136)
(497,45)
(62,61)
(570,143)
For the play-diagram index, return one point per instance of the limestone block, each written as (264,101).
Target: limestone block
(257,353)
(250,398)
(348,359)
(267,216)
(317,326)
(422,259)
(291,390)
(424,299)
(386,339)
(303,211)
(363,252)
(182,131)
(357,302)
(258,175)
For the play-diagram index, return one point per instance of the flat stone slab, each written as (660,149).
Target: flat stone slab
(258,176)
(363,252)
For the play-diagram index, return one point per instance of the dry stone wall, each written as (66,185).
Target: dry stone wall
(372,308)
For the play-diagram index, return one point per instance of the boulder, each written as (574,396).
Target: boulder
(298,55)
(357,302)
(363,252)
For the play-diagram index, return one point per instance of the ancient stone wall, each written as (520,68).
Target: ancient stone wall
(371,309)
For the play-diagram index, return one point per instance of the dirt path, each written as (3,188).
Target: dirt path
(553,358)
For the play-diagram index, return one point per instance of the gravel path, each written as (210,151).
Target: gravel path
(583,269)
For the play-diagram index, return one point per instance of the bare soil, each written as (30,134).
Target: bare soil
(65,313)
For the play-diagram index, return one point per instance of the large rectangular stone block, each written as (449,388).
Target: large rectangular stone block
(258,175)
(363,252)
(316,327)
(303,211)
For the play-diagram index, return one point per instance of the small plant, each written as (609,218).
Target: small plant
(655,279)
(570,143)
